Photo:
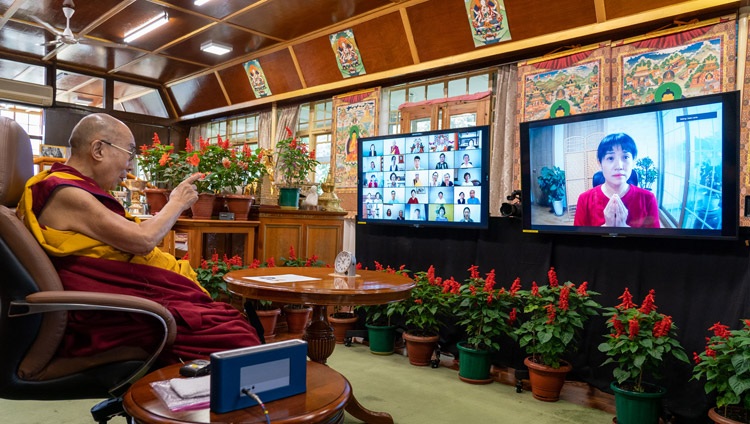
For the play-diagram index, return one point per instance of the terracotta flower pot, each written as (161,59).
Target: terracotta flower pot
(204,206)
(239,205)
(341,324)
(268,319)
(546,382)
(420,348)
(156,199)
(720,419)
(297,318)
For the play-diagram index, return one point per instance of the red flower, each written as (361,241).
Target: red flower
(582,289)
(292,256)
(271,262)
(710,352)
(535,289)
(359,264)
(431,274)
(474,270)
(226,163)
(720,330)
(188,146)
(696,358)
(552,276)
(661,328)
(512,316)
(627,301)
(418,301)
(214,269)
(312,154)
(617,324)
(550,313)
(515,287)
(633,328)
(204,264)
(564,298)
(215,257)
(164,159)
(255,264)
(378,266)
(156,140)
(194,160)
(648,303)
(489,282)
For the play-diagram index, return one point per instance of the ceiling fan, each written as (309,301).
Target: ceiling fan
(66,36)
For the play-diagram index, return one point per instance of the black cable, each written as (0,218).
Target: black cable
(247,392)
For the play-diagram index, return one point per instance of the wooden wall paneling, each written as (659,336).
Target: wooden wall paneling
(530,18)
(621,8)
(326,241)
(277,237)
(158,68)
(318,61)
(198,94)
(280,72)
(440,29)
(237,84)
(383,43)
(242,43)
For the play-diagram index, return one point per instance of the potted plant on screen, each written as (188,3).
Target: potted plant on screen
(640,339)
(552,185)
(725,367)
(553,317)
(423,313)
(485,314)
(647,172)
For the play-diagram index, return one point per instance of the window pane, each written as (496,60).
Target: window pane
(457,87)
(435,91)
(416,94)
(79,89)
(479,83)
(398,97)
(422,124)
(463,120)
(304,117)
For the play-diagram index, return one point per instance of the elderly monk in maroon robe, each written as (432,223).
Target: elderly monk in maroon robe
(97,246)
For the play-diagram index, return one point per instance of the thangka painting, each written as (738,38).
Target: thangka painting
(355,115)
(744,182)
(257,78)
(488,21)
(347,54)
(693,62)
(564,85)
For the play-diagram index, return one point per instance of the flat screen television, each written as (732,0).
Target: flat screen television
(434,178)
(661,169)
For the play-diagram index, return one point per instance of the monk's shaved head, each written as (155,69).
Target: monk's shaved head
(97,126)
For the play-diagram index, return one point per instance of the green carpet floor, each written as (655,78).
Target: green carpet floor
(412,395)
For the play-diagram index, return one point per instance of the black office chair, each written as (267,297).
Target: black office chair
(34,305)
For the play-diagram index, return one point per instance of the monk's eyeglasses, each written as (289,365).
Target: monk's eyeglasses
(131,153)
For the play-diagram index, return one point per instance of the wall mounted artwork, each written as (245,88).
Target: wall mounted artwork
(257,78)
(347,54)
(488,21)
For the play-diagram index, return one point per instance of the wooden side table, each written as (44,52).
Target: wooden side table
(328,392)
(197,228)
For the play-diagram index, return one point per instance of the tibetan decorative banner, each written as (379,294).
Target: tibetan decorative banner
(744,162)
(688,61)
(347,54)
(355,115)
(488,21)
(565,84)
(257,78)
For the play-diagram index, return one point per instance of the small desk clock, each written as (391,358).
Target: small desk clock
(345,264)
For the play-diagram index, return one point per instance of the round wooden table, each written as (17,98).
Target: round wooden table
(323,402)
(319,287)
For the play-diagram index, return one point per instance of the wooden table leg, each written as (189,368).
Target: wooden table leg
(356,410)
(319,335)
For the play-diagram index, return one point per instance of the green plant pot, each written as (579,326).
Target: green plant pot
(638,408)
(382,338)
(474,365)
(289,197)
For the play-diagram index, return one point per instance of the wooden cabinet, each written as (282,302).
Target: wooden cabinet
(309,232)
(204,237)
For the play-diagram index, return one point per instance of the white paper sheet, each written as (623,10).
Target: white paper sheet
(282,278)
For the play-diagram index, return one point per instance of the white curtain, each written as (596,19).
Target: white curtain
(265,121)
(503,136)
(287,119)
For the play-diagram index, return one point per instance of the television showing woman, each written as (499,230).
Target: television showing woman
(617,203)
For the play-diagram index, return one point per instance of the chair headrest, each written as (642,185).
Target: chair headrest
(16,161)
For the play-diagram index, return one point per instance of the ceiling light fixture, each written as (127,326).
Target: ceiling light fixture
(215,48)
(200,2)
(149,26)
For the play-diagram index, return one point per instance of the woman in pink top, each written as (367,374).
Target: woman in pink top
(616,203)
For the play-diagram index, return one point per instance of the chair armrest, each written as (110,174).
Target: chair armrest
(50,301)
